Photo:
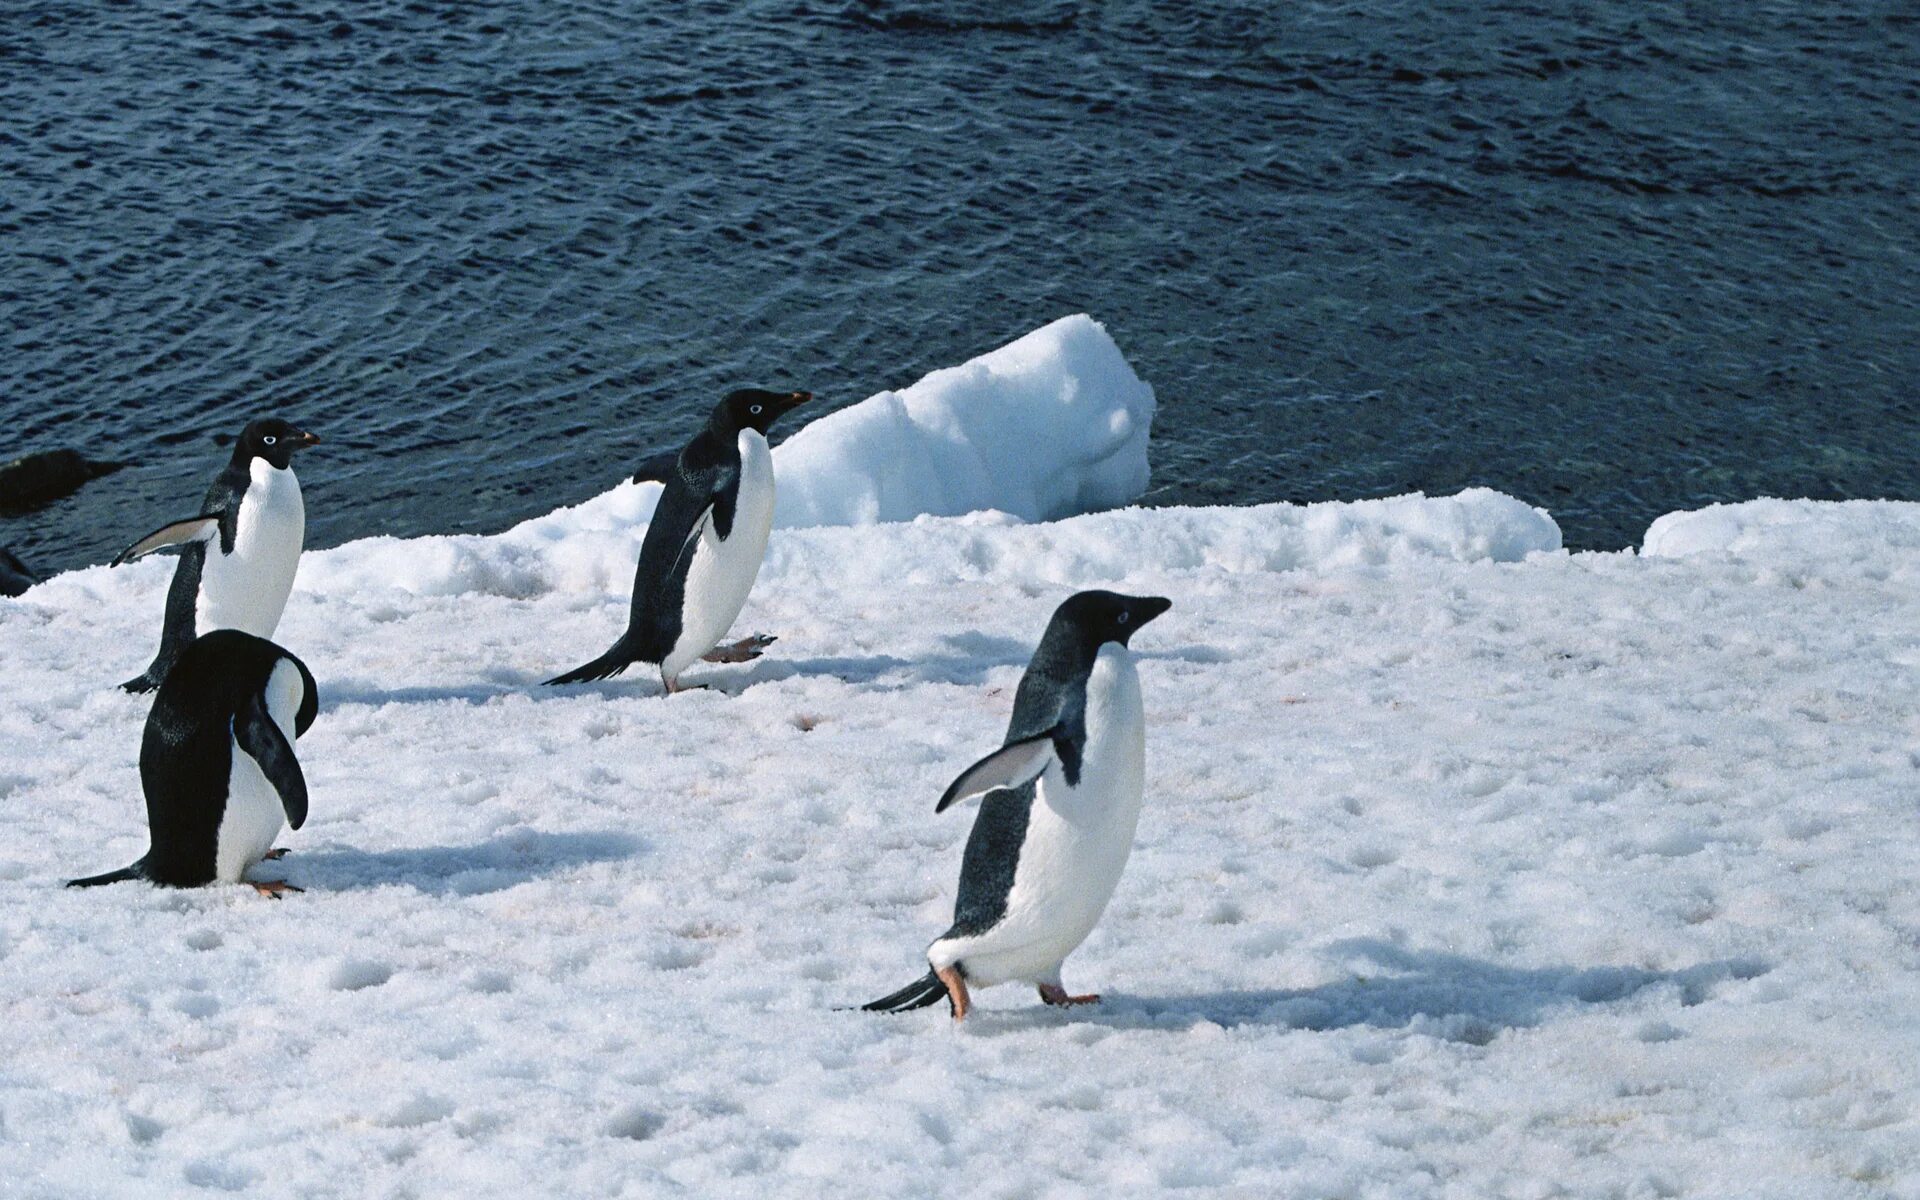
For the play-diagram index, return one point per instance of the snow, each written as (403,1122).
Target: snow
(1045,427)
(1468,868)
(1874,537)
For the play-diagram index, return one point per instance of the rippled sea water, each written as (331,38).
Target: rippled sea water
(1615,258)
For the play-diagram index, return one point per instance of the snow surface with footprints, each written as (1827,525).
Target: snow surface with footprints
(1468,868)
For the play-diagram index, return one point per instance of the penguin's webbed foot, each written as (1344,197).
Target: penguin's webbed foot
(139,684)
(745,650)
(275,854)
(1054,994)
(274,889)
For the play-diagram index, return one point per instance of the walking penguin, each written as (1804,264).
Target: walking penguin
(1062,797)
(703,547)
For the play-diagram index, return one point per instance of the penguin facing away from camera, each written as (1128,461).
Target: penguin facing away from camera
(217,763)
(1055,827)
(238,555)
(703,548)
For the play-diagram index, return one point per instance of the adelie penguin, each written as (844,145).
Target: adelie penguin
(239,552)
(217,763)
(703,548)
(1062,796)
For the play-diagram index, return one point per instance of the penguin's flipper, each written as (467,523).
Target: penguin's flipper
(692,540)
(203,528)
(657,468)
(1008,767)
(262,739)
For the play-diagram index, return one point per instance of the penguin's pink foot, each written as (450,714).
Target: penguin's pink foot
(276,854)
(675,687)
(956,991)
(744,650)
(1055,995)
(274,889)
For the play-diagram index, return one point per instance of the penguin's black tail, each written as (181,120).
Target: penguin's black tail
(136,871)
(921,992)
(141,683)
(606,666)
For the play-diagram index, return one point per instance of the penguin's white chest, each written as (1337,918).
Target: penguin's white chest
(247,589)
(722,572)
(254,812)
(1079,837)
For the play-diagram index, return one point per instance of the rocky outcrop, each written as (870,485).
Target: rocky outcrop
(49,475)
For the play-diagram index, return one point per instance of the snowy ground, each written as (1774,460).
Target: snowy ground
(1586,875)
(1469,868)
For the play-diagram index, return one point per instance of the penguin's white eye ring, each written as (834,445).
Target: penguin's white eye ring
(269,439)
(1122,618)
(755,410)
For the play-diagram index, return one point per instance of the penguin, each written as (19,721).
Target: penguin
(1062,797)
(239,554)
(217,763)
(703,548)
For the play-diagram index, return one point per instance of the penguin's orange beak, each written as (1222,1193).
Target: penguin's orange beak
(303,438)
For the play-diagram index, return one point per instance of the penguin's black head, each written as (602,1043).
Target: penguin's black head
(272,439)
(1102,617)
(753,408)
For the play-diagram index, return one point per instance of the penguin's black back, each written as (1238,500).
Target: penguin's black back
(992,856)
(707,473)
(186,755)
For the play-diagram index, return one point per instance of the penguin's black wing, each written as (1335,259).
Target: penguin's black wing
(1011,766)
(203,528)
(257,734)
(219,516)
(657,468)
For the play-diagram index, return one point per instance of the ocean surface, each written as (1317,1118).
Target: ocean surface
(1615,258)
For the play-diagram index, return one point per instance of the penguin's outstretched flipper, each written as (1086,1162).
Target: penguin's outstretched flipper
(919,994)
(136,871)
(203,528)
(255,732)
(606,666)
(1008,767)
(657,468)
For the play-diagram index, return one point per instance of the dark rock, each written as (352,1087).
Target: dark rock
(15,576)
(38,478)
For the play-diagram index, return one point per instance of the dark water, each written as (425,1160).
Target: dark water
(1616,258)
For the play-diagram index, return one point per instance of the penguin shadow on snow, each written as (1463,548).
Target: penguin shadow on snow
(964,659)
(1449,996)
(478,692)
(494,865)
